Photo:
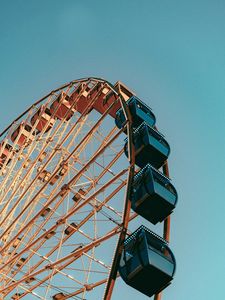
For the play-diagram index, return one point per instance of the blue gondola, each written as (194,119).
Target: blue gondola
(147,263)
(150,147)
(153,196)
(140,113)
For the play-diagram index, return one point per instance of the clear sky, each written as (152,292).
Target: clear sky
(172,54)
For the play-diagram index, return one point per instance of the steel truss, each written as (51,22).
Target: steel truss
(64,196)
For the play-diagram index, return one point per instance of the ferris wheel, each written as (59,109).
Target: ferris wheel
(76,168)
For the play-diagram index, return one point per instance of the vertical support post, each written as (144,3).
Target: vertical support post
(166,225)
(127,205)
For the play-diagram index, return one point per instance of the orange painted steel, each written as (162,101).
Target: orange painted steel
(127,206)
(77,228)
(51,177)
(65,190)
(19,244)
(58,159)
(166,227)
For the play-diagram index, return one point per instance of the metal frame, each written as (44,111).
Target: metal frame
(23,191)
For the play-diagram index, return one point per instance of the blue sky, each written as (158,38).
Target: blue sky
(172,54)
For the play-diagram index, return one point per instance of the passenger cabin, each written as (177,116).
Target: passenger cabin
(58,296)
(108,97)
(150,147)
(16,296)
(99,104)
(30,279)
(26,163)
(87,93)
(45,176)
(63,190)
(140,113)
(147,263)
(6,152)
(70,229)
(49,235)
(45,212)
(61,107)
(79,195)
(84,94)
(42,156)
(5,237)
(54,179)
(64,169)
(43,118)
(80,97)
(21,262)
(16,243)
(22,135)
(153,196)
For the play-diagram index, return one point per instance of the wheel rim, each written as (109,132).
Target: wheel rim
(52,244)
